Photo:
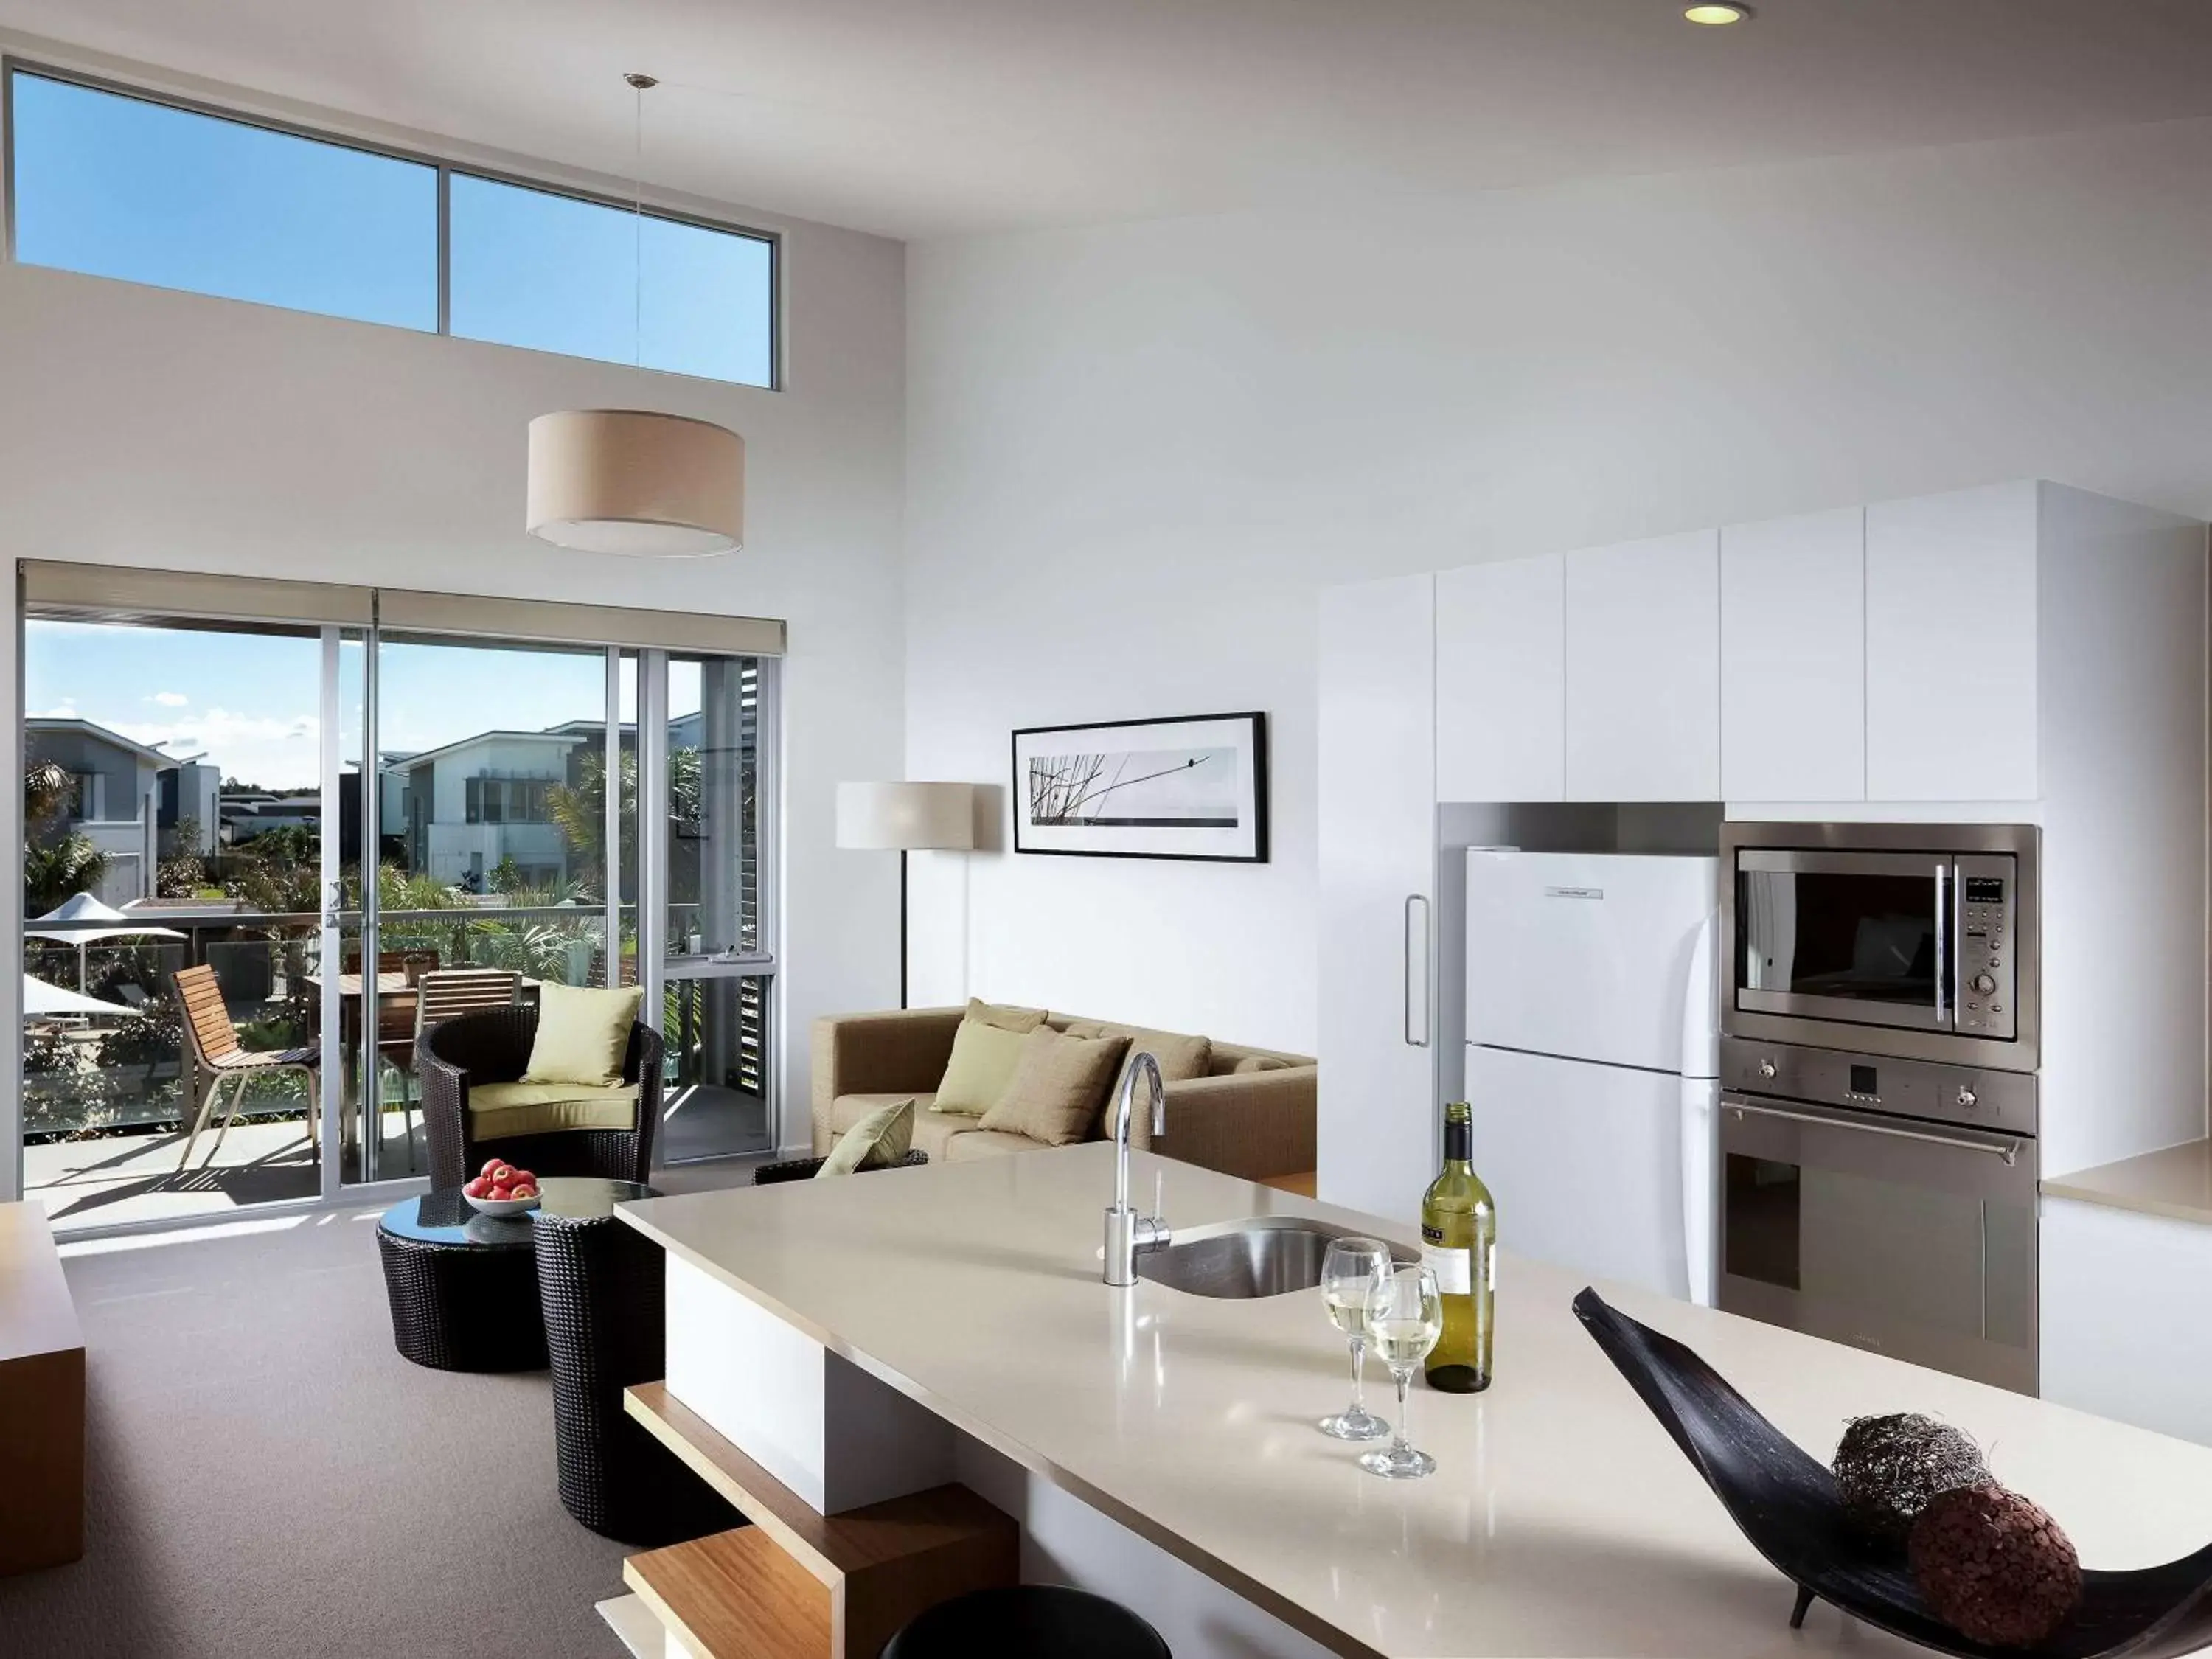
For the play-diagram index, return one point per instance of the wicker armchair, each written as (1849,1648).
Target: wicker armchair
(492,1046)
(802,1168)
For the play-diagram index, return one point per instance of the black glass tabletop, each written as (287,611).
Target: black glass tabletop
(446,1218)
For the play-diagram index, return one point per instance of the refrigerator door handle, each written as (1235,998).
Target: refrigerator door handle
(1700,1205)
(1407,942)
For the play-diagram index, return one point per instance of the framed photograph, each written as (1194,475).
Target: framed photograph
(1193,787)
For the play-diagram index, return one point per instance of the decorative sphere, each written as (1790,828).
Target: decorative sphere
(1888,1467)
(1994,1567)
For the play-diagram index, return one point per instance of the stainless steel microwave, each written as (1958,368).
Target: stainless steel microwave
(1915,940)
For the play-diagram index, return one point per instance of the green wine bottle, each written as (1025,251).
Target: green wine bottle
(1459,1239)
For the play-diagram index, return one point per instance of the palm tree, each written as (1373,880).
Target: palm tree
(581,810)
(57,868)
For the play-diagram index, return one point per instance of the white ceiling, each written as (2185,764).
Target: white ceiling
(920,118)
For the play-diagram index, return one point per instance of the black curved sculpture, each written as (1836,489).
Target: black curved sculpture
(1788,1506)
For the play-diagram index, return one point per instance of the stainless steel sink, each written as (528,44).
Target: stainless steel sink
(1265,1255)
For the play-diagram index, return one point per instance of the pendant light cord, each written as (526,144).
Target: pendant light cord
(639,86)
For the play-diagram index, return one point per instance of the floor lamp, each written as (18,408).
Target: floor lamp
(907,817)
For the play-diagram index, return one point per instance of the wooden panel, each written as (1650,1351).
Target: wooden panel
(1501,681)
(1301,1183)
(734,1595)
(41,1399)
(879,1565)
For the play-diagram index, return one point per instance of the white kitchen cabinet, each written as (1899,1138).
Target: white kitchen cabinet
(2126,1316)
(1793,659)
(1377,843)
(1501,681)
(1951,586)
(1643,670)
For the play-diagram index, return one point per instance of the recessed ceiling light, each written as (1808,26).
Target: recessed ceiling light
(1715,15)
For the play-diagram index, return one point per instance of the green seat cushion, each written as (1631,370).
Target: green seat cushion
(881,1137)
(582,1034)
(497,1111)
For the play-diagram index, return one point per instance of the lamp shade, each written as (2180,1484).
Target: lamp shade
(636,481)
(906,816)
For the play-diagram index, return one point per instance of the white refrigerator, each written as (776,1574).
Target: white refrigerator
(1592,1060)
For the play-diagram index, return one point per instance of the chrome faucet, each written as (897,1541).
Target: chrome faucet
(1128,1233)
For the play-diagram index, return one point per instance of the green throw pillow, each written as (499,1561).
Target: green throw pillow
(984,1051)
(582,1035)
(880,1137)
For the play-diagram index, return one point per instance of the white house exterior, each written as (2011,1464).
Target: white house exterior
(117,800)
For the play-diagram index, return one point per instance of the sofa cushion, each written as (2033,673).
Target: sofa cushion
(984,1052)
(972,1143)
(1252,1063)
(582,1035)
(881,1137)
(1181,1058)
(848,1109)
(935,1132)
(1004,1015)
(498,1110)
(1058,1086)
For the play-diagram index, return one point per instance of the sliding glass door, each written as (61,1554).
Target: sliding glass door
(174,836)
(716,971)
(267,837)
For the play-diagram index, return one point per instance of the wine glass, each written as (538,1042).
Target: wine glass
(1405,1317)
(1348,1274)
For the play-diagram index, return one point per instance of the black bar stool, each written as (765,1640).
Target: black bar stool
(601,1284)
(1022,1620)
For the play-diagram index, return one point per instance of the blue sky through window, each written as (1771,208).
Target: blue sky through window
(250,701)
(533,268)
(114,186)
(118,186)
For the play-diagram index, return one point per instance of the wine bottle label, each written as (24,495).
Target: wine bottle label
(1455,1269)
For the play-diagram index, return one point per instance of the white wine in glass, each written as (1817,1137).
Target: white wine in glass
(1405,1317)
(1348,1274)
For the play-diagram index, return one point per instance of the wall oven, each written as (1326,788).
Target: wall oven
(1918,941)
(1883,1203)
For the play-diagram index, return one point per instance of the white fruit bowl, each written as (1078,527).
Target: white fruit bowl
(502,1206)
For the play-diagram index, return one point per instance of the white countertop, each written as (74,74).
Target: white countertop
(1562,1520)
(2175,1182)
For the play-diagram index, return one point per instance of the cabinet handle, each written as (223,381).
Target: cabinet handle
(1407,943)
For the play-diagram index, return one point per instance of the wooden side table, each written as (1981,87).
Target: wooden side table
(41,1399)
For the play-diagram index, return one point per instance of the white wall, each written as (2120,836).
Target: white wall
(1135,451)
(141,427)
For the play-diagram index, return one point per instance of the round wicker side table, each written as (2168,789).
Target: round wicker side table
(602,1287)
(463,1286)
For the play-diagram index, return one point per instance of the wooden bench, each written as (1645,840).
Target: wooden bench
(41,1399)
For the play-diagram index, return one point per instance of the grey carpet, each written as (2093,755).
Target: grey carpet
(268,1477)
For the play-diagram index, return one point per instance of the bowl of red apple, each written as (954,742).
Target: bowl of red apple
(501,1190)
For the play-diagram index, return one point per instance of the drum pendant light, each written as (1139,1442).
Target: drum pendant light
(633,481)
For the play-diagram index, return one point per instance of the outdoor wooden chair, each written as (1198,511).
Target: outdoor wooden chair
(217,1053)
(447,992)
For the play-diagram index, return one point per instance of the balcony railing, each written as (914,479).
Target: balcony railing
(86,1073)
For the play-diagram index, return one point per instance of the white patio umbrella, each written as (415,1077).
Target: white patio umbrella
(43,1001)
(94,920)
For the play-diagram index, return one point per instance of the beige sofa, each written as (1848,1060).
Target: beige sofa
(1254,1124)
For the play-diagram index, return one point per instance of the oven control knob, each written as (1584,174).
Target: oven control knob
(1766,1068)
(1984,983)
(1965,1096)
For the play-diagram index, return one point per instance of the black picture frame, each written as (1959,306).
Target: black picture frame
(1201,838)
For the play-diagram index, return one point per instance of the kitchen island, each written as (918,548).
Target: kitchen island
(866,1337)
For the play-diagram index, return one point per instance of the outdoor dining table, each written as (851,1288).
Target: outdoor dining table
(389,983)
